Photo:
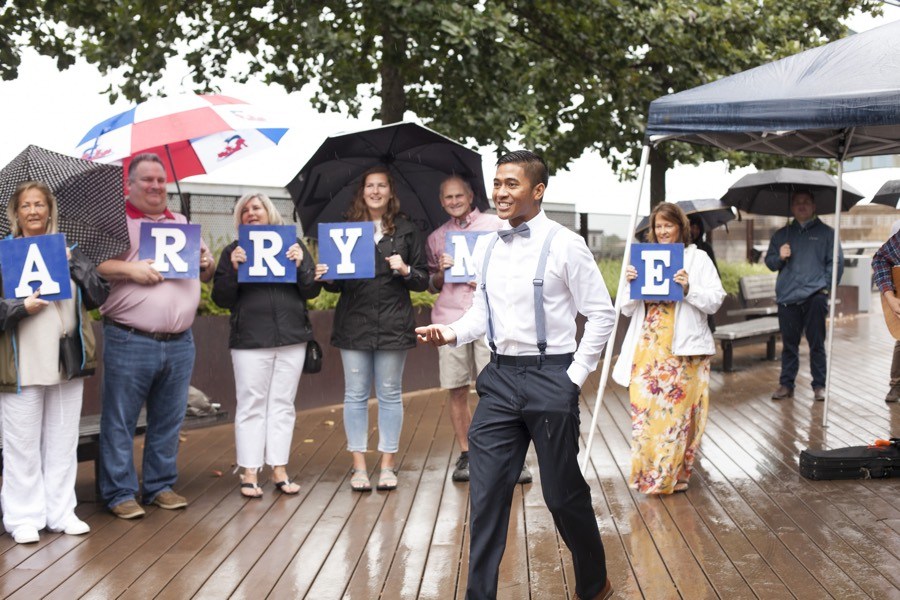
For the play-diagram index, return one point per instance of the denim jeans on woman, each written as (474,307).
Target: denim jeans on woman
(138,369)
(360,368)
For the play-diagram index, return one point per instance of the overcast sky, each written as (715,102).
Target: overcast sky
(54,109)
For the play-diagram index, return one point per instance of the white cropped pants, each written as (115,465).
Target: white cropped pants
(266,381)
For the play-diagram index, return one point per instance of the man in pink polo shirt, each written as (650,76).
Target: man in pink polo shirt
(457,363)
(148,354)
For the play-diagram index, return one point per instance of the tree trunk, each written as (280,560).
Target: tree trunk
(393,92)
(658,167)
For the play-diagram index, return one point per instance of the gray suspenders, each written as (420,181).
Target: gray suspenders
(540,320)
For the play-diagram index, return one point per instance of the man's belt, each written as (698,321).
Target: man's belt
(531,360)
(159,337)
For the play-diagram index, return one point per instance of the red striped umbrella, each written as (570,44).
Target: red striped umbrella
(193,134)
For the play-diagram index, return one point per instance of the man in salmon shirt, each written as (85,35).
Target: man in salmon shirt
(148,354)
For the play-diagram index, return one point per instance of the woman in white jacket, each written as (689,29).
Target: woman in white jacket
(665,363)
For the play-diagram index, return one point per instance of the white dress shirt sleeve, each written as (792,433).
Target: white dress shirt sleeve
(473,324)
(592,300)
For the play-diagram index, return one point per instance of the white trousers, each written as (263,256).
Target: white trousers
(40,440)
(265,382)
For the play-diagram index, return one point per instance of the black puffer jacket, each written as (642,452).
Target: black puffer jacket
(265,315)
(376,314)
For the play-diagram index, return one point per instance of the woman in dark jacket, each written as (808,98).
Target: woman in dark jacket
(41,400)
(269,331)
(374,325)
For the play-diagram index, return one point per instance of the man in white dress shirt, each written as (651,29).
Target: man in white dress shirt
(529,390)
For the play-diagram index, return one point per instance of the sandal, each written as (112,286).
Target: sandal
(681,486)
(251,490)
(287,487)
(387,481)
(359,480)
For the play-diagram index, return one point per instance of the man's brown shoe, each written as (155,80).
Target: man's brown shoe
(819,394)
(783,392)
(893,395)
(169,500)
(604,594)
(128,510)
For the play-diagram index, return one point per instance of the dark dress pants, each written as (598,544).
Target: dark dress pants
(793,320)
(518,405)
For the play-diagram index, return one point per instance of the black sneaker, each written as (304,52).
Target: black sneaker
(525,475)
(461,472)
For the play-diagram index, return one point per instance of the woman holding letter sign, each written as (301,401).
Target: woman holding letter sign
(374,325)
(269,331)
(41,385)
(665,363)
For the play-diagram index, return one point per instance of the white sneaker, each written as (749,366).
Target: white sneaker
(26,535)
(77,527)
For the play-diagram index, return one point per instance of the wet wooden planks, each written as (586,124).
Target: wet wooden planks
(749,527)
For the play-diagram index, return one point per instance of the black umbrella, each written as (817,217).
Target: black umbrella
(712,212)
(769,192)
(888,194)
(418,158)
(89,195)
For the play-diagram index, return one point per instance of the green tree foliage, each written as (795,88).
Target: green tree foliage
(23,23)
(560,77)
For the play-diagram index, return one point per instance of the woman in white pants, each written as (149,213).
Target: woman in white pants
(269,331)
(40,394)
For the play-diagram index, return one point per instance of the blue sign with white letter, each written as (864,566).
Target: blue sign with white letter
(174,249)
(30,263)
(656,266)
(348,249)
(460,245)
(266,247)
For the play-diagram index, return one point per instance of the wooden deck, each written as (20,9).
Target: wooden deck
(749,527)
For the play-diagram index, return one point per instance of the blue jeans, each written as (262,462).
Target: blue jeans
(360,367)
(138,370)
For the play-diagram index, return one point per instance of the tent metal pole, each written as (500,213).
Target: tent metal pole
(608,351)
(829,343)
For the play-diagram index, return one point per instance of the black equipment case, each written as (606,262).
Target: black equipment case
(855,462)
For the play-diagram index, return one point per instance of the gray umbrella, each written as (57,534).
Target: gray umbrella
(769,192)
(89,195)
(888,194)
(712,212)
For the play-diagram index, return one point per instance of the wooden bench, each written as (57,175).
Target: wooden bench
(89,435)
(757,295)
(754,330)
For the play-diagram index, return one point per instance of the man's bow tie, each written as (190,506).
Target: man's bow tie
(507,234)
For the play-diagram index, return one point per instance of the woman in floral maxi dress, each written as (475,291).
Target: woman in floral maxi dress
(665,363)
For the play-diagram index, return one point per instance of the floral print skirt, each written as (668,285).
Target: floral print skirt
(669,402)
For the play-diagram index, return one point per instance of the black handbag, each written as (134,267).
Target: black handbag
(70,355)
(313,362)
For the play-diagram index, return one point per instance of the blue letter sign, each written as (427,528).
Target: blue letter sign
(460,246)
(173,247)
(266,247)
(348,249)
(30,263)
(656,266)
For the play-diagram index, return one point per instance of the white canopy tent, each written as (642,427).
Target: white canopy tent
(838,101)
